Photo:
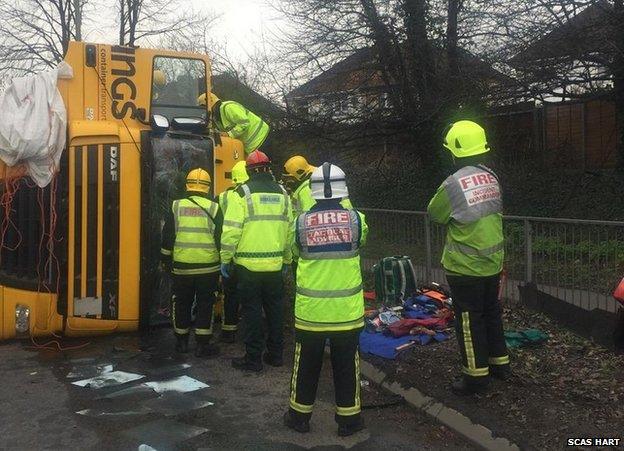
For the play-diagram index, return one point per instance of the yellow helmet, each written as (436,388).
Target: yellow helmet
(201,100)
(466,139)
(160,79)
(239,173)
(198,180)
(298,168)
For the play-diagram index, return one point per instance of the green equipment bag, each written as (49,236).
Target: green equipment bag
(395,280)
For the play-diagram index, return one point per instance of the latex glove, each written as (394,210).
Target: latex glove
(225,270)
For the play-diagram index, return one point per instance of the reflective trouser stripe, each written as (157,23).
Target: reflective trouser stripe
(164,251)
(468,250)
(228,327)
(203,332)
(471,369)
(357,407)
(329,293)
(176,329)
(503,360)
(302,408)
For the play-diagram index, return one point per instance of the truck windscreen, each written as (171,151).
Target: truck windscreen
(176,85)
(166,161)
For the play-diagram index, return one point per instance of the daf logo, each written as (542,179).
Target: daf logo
(114,163)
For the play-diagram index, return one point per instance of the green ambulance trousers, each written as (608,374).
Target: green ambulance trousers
(258,291)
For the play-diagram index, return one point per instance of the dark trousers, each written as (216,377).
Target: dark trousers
(230,304)
(258,291)
(479,325)
(345,361)
(186,289)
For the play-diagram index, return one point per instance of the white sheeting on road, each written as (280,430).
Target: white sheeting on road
(33,123)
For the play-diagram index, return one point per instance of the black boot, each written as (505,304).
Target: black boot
(228,336)
(204,347)
(272,360)
(296,424)
(502,372)
(182,343)
(247,364)
(469,386)
(349,428)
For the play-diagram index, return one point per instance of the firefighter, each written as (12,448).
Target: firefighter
(469,203)
(329,303)
(296,177)
(229,324)
(237,121)
(254,240)
(190,248)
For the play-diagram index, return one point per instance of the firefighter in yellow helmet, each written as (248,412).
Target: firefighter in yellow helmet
(159,80)
(229,323)
(296,177)
(190,248)
(470,204)
(238,122)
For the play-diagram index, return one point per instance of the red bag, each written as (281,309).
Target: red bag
(618,294)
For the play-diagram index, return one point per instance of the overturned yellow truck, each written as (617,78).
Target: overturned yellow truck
(80,257)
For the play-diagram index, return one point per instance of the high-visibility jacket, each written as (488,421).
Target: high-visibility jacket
(470,203)
(255,226)
(240,123)
(225,198)
(329,295)
(303,201)
(190,236)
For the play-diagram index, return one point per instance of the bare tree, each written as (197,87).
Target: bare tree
(35,34)
(414,52)
(151,20)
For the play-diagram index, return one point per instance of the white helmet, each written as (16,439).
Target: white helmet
(328,182)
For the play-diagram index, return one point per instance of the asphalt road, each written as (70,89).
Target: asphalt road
(43,409)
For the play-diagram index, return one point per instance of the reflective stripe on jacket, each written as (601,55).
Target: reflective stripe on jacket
(255,227)
(470,203)
(242,124)
(195,236)
(329,294)
(225,198)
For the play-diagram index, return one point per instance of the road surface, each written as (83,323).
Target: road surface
(44,408)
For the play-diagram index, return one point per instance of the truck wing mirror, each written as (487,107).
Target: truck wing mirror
(159,123)
(190,124)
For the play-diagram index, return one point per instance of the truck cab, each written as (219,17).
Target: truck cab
(80,257)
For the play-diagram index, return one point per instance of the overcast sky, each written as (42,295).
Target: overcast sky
(242,22)
(240,25)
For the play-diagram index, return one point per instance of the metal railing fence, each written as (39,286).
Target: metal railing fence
(578,261)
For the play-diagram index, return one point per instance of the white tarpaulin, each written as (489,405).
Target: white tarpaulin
(33,123)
